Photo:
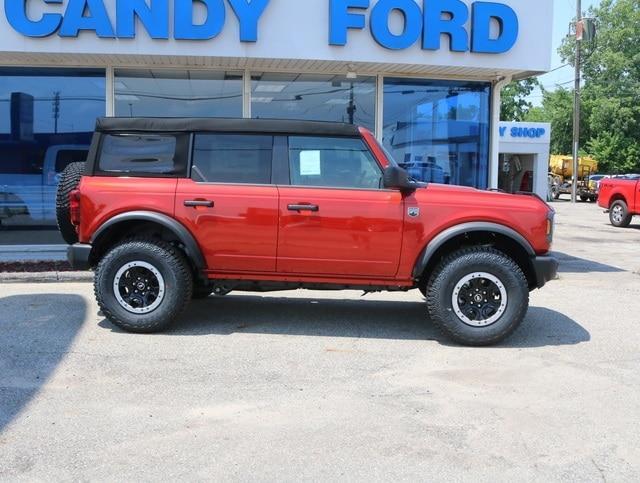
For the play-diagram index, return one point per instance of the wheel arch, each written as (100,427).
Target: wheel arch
(139,222)
(498,236)
(617,197)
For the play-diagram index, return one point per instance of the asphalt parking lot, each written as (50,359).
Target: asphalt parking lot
(318,386)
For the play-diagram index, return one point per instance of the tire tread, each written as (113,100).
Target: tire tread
(176,260)
(69,180)
(436,280)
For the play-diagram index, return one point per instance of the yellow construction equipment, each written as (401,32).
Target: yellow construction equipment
(561,173)
(563,166)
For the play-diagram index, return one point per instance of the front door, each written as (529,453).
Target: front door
(335,219)
(229,204)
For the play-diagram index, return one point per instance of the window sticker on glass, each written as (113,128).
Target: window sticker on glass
(310,163)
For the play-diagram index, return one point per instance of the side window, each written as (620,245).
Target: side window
(333,162)
(232,158)
(143,154)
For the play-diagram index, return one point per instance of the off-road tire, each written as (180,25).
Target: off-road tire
(453,269)
(623,222)
(69,180)
(172,265)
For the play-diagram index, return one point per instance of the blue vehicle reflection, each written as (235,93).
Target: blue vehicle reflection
(28,181)
(47,118)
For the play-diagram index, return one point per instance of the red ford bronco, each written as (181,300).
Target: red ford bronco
(621,199)
(165,210)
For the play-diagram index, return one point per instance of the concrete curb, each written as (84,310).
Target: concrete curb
(46,277)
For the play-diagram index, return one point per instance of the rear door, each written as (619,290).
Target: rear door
(229,203)
(335,217)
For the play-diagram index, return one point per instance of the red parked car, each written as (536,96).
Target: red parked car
(169,209)
(621,199)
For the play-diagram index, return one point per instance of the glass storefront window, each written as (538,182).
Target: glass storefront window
(439,130)
(314,97)
(177,93)
(47,118)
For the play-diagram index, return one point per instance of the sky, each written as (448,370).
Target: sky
(564,13)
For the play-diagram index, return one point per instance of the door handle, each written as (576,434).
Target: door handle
(299,208)
(199,203)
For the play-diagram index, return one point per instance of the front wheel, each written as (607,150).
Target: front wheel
(142,285)
(478,296)
(619,214)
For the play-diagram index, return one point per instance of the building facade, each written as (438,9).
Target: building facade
(523,163)
(424,76)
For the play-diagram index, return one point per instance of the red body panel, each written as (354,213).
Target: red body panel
(102,198)
(442,207)
(240,232)
(355,232)
(616,189)
(361,237)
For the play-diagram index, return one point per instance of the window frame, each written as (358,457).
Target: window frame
(340,188)
(183,144)
(274,150)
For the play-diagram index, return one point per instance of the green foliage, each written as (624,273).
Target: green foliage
(611,94)
(557,108)
(515,105)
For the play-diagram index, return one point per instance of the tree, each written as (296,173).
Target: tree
(611,95)
(557,108)
(515,105)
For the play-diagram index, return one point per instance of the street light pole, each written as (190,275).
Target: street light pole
(576,108)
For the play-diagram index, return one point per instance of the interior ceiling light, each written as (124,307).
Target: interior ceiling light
(271,88)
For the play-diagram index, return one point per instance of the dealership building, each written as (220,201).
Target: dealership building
(424,76)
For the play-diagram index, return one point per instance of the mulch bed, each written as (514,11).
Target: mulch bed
(31,267)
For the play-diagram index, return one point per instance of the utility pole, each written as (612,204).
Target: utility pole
(56,110)
(576,105)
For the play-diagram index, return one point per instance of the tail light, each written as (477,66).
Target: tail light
(74,207)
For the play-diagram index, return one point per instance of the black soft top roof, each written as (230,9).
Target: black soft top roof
(257,126)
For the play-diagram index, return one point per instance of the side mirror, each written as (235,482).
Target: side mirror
(398,179)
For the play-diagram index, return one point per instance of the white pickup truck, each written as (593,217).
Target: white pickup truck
(28,189)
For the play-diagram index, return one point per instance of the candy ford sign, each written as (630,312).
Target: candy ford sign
(434,32)
(425,24)
(153,16)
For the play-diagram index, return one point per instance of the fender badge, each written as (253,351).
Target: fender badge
(414,212)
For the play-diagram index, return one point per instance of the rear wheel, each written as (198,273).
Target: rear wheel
(142,285)
(619,214)
(478,296)
(69,181)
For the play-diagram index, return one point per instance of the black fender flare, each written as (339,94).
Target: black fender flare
(443,237)
(178,229)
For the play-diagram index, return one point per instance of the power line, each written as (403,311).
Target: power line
(557,68)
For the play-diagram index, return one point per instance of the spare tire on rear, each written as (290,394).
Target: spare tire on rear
(69,181)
